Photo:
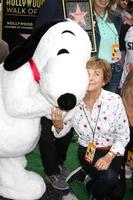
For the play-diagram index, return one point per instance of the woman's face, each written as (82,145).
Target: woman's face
(101,3)
(96,80)
(123,3)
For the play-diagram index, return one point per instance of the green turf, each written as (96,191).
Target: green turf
(34,163)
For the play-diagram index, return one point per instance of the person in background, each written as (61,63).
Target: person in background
(127,96)
(126,46)
(4,50)
(107,30)
(49,11)
(102,127)
(123,9)
(53,151)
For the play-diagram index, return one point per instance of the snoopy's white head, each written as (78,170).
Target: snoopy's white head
(59,51)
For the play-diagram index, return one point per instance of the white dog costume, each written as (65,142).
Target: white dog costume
(47,70)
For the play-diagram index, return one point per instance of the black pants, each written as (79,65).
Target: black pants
(53,150)
(103,182)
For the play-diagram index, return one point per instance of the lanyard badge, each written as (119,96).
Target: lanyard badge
(116,52)
(90,152)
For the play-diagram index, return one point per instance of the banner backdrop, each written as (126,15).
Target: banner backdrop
(18,17)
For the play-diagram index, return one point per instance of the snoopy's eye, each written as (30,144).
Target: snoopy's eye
(68,31)
(62,51)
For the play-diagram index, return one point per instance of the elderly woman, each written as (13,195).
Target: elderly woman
(103,132)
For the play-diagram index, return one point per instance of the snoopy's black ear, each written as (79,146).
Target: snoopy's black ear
(22,53)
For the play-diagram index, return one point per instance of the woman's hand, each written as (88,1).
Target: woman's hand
(57,118)
(104,162)
(128,21)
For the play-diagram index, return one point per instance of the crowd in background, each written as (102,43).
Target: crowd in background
(114,42)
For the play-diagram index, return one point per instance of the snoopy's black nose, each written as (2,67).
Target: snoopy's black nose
(66,101)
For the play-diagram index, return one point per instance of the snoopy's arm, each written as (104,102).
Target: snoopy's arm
(21,95)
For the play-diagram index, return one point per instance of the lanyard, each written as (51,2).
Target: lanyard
(116,34)
(93,130)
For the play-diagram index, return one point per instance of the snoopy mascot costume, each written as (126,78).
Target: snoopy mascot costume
(48,70)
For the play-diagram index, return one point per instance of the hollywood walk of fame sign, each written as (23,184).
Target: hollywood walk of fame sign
(81,12)
(18,17)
